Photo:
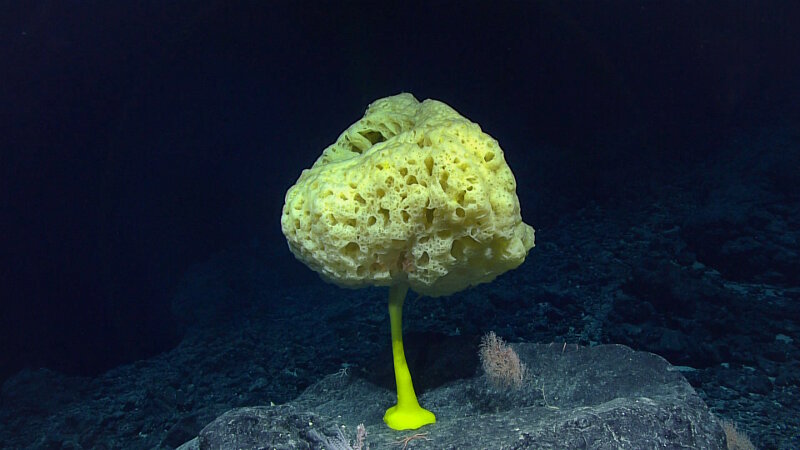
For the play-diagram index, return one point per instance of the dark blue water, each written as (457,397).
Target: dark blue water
(140,141)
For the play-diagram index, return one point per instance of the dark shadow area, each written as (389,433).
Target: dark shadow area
(140,139)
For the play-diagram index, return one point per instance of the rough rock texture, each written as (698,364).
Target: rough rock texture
(636,269)
(607,396)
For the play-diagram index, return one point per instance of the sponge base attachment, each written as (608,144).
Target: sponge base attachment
(406,414)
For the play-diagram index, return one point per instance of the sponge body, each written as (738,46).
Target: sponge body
(411,193)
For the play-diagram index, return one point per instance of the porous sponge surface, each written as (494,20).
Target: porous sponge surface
(413,192)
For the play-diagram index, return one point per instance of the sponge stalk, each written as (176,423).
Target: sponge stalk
(406,414)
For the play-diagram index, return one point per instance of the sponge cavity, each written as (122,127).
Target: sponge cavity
(413,192)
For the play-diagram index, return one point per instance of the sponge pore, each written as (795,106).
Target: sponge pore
(413,192)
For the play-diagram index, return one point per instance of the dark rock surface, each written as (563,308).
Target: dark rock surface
(606,396)
(652,269)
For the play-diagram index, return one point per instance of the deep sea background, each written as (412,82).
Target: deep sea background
(146,147)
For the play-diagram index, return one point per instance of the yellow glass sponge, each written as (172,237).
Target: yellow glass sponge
(413,193)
